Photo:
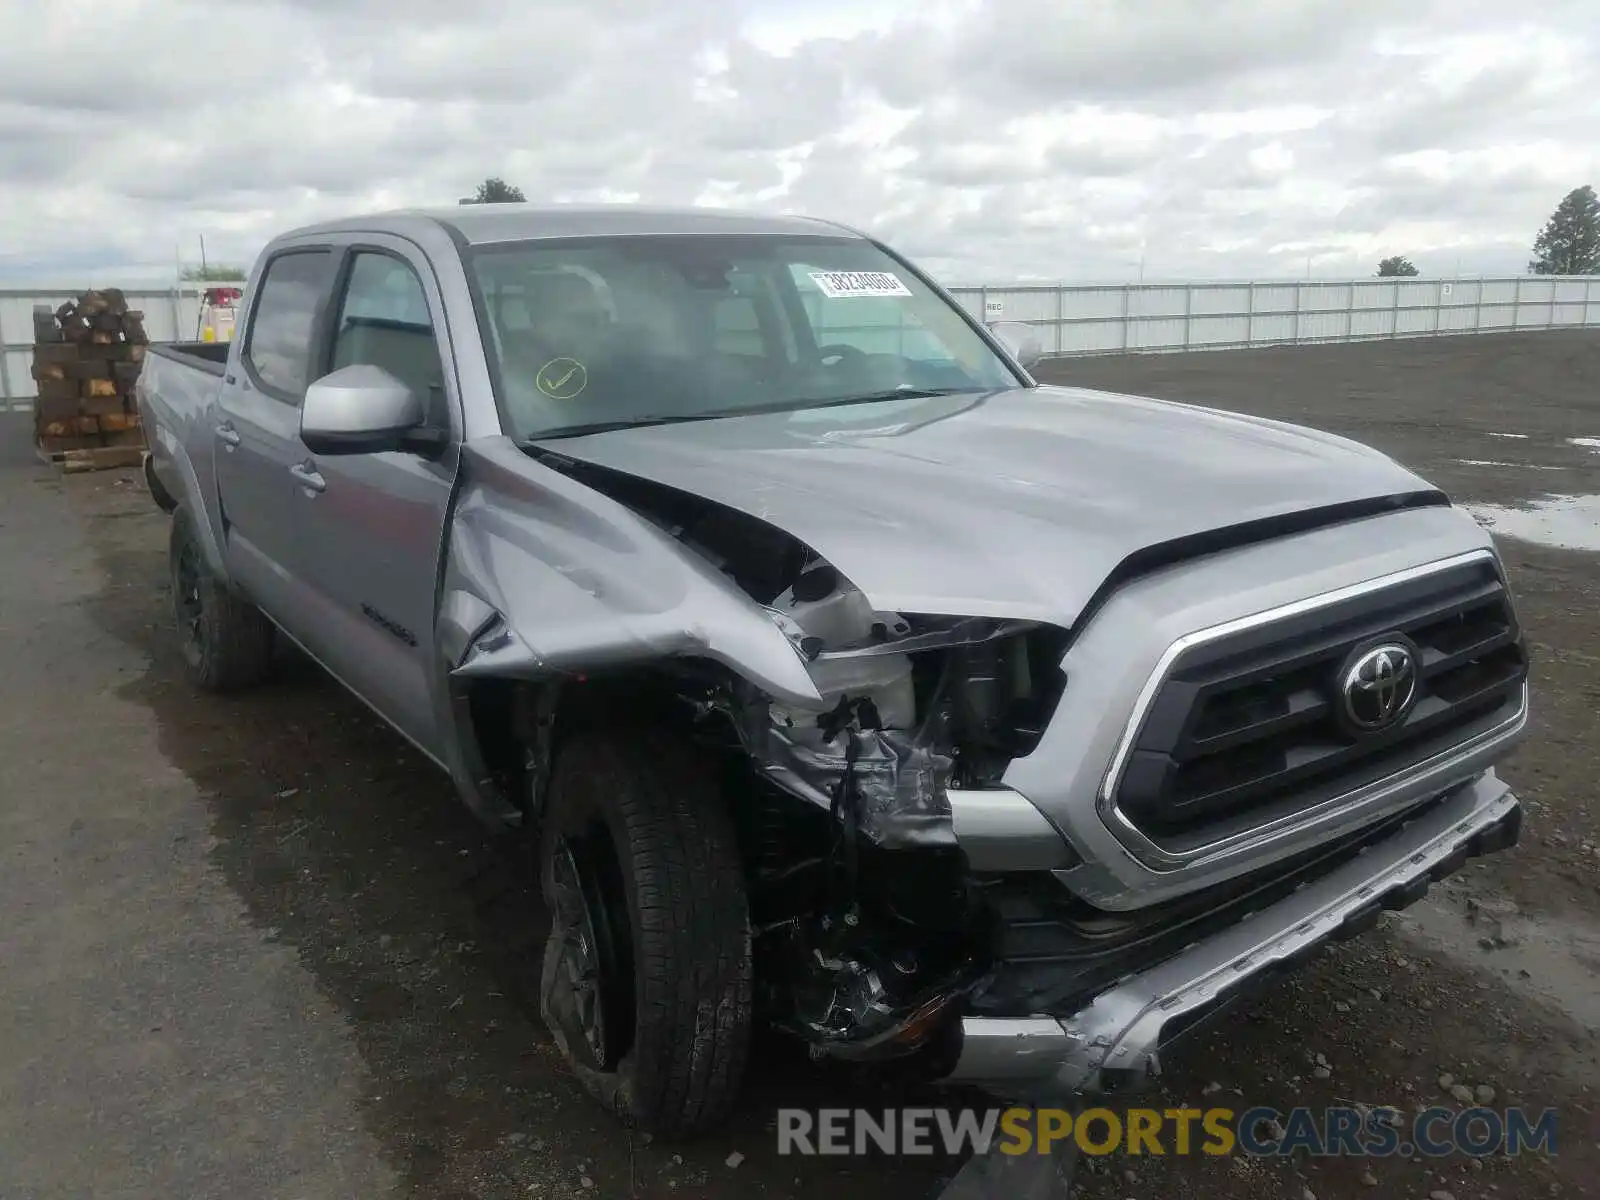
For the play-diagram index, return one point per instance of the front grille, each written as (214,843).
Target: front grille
(1247,729)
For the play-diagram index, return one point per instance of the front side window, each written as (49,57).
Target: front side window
(384,321)
(292,288)
(643,329)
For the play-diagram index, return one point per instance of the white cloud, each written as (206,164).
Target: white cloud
(991,139)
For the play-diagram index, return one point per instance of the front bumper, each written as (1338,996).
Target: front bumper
(1117,1040)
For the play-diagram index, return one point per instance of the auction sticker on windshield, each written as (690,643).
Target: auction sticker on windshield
(838,284)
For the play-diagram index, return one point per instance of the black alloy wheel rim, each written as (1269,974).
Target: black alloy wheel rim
(593,962)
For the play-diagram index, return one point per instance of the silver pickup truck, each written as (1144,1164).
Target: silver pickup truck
(836,675)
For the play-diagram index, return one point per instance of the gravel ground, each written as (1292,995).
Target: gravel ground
(254,947)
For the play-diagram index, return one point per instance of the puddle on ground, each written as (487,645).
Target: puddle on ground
(1555,959)
(1565,522)
(1586,443)
(1492,462)
(1518,436)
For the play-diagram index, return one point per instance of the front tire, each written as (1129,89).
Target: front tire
(647,976)
(226,641)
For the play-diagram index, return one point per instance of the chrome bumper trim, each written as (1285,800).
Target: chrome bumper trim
(1123,1029)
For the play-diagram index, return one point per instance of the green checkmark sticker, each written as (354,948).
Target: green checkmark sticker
(562,378)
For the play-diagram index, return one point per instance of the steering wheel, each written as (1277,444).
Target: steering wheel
(840,351)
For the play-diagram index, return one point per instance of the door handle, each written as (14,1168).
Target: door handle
(227,434)
(307,477)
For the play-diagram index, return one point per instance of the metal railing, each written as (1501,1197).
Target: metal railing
(1076,319)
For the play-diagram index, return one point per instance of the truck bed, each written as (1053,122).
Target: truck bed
(210,357)
(176,392)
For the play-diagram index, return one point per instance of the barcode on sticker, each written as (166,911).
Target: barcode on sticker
(837,284)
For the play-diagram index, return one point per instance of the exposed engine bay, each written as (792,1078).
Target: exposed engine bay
(869,926)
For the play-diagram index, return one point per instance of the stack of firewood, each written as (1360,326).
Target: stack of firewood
(86,359)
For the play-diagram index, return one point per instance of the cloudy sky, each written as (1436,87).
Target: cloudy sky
(991,139)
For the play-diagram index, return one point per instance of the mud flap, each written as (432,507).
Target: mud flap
(992,1175)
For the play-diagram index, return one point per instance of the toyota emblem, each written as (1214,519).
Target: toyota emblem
(1379,686)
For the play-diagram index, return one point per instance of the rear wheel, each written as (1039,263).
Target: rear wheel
(646,984)
(226,641)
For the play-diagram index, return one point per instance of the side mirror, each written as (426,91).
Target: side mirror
(359,409)
(1022,341)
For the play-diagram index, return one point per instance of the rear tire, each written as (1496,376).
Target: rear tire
(647,976)
(226,641)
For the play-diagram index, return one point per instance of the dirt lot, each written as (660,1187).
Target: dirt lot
(255,948)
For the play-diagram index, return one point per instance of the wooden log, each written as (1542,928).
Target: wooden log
(126,374)
(53,447)
(69,427)
(119,421)
(98,387)
(133,327)
(107,408)
(59,389)
(90,368)
(101,459)
(54,352)
(127,437)
(43,371)
(48,410)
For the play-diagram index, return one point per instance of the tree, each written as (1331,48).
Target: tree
(1569,244)
(213,273)
(1396,264)
(496,191)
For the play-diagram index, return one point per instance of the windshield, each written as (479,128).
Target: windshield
(616,331)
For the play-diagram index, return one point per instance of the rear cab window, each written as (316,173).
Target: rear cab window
(283,320)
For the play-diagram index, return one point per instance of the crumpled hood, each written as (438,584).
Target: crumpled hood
(1014,504)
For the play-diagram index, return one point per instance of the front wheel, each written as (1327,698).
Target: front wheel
(646,985)
(226,641)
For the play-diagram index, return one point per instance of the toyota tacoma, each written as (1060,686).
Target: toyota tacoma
(838,677)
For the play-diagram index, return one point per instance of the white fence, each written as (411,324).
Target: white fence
(1078,319)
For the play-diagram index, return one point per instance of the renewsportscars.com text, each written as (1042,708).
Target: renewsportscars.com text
(1260,1131)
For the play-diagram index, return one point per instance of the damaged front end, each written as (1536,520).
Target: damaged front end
(870,933)
(871,927)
